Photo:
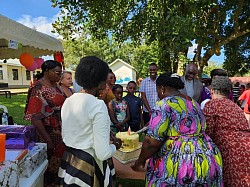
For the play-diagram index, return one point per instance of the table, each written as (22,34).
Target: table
(6,92)
(23,170)
(36,179)
(125,171)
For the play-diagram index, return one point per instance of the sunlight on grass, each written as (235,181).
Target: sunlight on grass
(15,106)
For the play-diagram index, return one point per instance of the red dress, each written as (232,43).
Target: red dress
(228,128)
(44,103)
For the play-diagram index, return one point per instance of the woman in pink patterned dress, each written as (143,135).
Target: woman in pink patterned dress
(228,128)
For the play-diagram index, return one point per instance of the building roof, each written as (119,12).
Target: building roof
(240,79)
(119,60)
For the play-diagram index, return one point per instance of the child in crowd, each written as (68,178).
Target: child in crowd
(118,110)
(135,107)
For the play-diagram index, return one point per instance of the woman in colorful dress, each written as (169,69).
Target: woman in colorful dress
(43,109)
(118,110)
(229,129)
(86,130)
(179,151)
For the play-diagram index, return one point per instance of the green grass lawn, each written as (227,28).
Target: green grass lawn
(16,106)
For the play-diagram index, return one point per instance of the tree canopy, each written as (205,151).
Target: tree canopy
(109,50)
(237,54)
(171,25)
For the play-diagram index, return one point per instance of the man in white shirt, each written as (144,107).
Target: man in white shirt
(193,85)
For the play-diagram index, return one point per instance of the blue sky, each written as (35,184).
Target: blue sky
(32,13)
(40,14)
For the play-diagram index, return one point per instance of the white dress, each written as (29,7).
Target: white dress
(86,127)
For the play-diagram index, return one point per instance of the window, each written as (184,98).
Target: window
(28,77)
(1,72)
(15,74)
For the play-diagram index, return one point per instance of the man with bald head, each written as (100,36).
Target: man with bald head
(193,85)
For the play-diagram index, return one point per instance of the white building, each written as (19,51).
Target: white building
(123,71)
(15,75)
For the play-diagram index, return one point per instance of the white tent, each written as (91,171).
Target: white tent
(24,39)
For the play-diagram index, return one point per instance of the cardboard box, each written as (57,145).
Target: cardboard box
(18,136)
(128,156)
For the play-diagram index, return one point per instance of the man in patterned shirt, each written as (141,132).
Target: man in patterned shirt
(148,92)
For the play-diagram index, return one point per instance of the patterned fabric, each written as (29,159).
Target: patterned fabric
(79,168)
(120,111)
(228,127)
(44,103)
(149,88)
(9,175)
(187,157)
(236,93)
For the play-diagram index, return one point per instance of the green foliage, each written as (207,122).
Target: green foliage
(211,65)
(16,107)
(237,56)
(143,56)
(109,50)
(171,24)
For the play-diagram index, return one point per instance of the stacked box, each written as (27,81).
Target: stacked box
(9,173)
(18,136)
(128,156)
(37,155)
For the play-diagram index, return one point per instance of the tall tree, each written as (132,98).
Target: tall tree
(211,65)
(109,50)
(217,24)
(170,24)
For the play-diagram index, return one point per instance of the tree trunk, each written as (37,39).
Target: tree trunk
(164,57)
(175,62)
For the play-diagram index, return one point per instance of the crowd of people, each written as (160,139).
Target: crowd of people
(198,135)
